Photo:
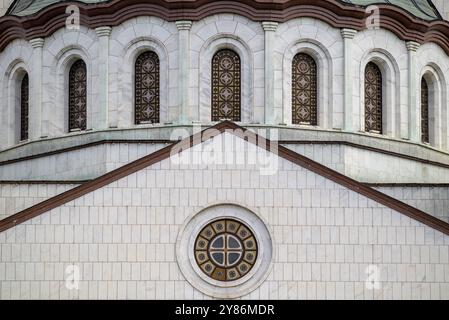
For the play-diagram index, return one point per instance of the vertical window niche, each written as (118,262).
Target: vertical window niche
(373,99)
(78,96)
(147,88)
(226,86)
(24,107)
(304,90)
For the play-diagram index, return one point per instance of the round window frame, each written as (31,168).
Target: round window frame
(204,283)
(226,234)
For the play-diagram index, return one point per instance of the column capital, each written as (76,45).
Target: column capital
(103,31)
(37,43)
(348,33)
(183,24)
(412,46)
(270,26)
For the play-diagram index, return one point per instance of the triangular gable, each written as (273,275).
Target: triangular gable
(198,138)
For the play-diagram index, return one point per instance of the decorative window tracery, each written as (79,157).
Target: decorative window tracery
(424,111)
(24,107)
(304,90)
(78,96)
(226,86)
(146,90)
(373,98)
(226,250)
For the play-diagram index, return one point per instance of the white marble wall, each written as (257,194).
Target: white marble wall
(433,65)
(390,54)
(372,167)
(15,60)
(128,41)
(247,37)
(61,50)
(325,44)
(361,165)
(433,200)
(244,37)
(91,162)
(77,165)
(17,197)
(123,237)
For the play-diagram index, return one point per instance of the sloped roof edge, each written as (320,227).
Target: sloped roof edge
(196,139)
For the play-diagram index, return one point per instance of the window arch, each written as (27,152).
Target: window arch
(78,96)
(226,86)
(146,88)
(24,107)
(425,137)
(373,98)
(304,90)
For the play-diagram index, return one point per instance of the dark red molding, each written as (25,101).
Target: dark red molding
(198,138)
(333,12)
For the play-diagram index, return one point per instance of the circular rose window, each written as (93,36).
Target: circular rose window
(225,250)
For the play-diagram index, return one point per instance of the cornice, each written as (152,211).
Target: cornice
(333,12)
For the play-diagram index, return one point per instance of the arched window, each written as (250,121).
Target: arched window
(304,90)
(226,86)
(78,96)
(146,88)
(373,98)
(24,107)
(424,111)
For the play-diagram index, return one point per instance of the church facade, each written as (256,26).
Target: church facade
(224,149)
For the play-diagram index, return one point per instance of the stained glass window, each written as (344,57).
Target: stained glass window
(146,93)
(424,111)
(373,98)
(24,107)
(304,90)
(226,250)
(226,86)
(78,96)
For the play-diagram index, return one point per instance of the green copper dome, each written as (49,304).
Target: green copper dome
(28,7)
(423,9)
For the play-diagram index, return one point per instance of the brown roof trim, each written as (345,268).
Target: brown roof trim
(82,146)
(197,139)
(368,148)
(333,12)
